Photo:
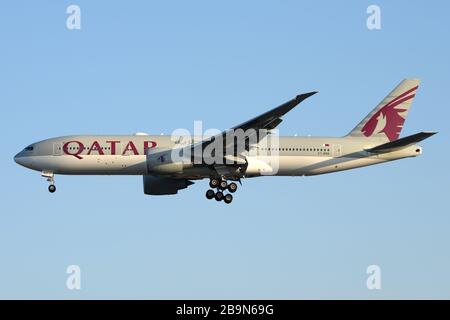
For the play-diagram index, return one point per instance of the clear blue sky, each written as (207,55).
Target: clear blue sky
(157,66)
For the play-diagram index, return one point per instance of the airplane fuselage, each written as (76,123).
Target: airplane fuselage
(251,149)
(127,155)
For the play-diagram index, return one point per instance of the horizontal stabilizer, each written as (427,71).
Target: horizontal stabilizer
(401,143)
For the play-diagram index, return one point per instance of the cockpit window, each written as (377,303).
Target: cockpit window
(30,148)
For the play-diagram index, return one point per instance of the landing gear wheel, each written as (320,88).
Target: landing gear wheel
(51,188)
(223,185)
(232,187)
(214,183)
(219,196)
(210,194)
(228,198)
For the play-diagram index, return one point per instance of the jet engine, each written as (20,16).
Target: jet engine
(161,186)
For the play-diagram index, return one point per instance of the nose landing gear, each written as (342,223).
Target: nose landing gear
(51,179)
(221,185)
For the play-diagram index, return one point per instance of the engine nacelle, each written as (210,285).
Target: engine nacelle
(257,166)
(161,163)
(161,186)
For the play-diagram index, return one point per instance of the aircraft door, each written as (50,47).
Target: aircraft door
(337,150)
(57,149)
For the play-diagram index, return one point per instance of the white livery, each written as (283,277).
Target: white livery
(251,149)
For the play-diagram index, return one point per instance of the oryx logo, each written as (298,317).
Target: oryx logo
(162,158)
(390,118)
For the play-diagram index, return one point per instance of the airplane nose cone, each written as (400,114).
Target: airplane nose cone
(17,159)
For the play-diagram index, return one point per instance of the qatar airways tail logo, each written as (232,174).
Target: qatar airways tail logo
(390,118)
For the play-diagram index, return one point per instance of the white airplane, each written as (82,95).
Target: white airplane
(169,163)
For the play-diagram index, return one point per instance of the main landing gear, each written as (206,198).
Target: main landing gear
(51,179)
(221,185)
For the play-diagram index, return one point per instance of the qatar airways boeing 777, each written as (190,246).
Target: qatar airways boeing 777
(172,163)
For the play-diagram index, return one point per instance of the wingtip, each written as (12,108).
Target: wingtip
(303,96)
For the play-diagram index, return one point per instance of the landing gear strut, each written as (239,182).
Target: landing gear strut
(51,179)
(221,185)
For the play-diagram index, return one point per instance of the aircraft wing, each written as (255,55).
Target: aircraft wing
(271,119)
(401,143)
(268,121)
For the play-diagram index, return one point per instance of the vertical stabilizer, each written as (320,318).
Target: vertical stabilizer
(387,119)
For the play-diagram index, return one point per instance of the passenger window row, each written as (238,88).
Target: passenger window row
(296,149)
(86,148)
